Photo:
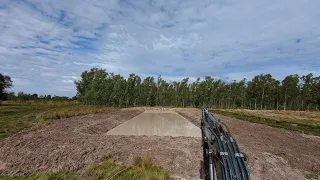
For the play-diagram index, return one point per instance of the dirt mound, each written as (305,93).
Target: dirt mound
(273,153)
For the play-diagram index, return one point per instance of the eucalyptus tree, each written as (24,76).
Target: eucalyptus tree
(5,83)
(148,92)
(102,88)
(316,91)
(118,94)
(307,90)
(290,86)
(183,91)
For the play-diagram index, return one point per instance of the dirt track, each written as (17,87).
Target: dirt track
(76,143)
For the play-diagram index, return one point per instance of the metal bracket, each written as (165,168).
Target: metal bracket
(224,154)
(238,155)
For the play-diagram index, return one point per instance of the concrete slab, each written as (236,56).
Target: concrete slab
(159,123)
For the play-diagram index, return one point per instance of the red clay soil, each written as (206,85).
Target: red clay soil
(76,143)
(273,153)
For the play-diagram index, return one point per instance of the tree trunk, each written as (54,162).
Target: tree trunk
(255,104)
(262,99)
(285,101)
(234,102)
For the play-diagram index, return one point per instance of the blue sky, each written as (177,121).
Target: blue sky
(46,44)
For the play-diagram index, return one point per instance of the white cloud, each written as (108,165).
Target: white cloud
(278,72)
(67,81)
(46,44)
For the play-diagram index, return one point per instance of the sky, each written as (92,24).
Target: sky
(46,44)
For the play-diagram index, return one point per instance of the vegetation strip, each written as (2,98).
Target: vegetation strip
(141,169)
(107,169)
(295,125)
(59,175)
(15,116)
(315,176)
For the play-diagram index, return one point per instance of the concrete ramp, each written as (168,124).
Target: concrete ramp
(159,123)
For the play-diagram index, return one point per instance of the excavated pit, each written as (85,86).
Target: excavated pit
(157,123)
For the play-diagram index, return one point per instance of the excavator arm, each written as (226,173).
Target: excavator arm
(222,158)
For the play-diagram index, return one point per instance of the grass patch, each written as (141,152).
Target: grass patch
(312,176)
(107,169)
(141,169)
(308,126)
(59,175)
(16,116)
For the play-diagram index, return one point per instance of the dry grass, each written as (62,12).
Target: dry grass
(16,116)
(296,116)
(107,169)
(315,176)
(299,115)
(59,175)
(141,169)
(302,121)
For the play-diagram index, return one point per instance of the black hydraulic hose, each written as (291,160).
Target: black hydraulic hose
(239,167)
(226,159)
(224,171)
(230,169)
(234,160)
(231,155)
(229,162)
(245,171)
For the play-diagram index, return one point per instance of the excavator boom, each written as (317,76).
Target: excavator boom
(222,158)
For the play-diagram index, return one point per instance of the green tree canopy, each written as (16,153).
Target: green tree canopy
(5,83)
(262,92)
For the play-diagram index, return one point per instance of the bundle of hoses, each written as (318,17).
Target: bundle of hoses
(222,158)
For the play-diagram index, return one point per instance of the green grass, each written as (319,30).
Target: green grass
(141,169)
(287,120)
(59,175)
(16,116)
(312,176)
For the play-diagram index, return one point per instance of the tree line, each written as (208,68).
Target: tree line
(6,83)
(21,96)
(294,92)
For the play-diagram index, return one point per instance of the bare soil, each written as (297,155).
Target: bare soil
(273,153)
(77,143)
